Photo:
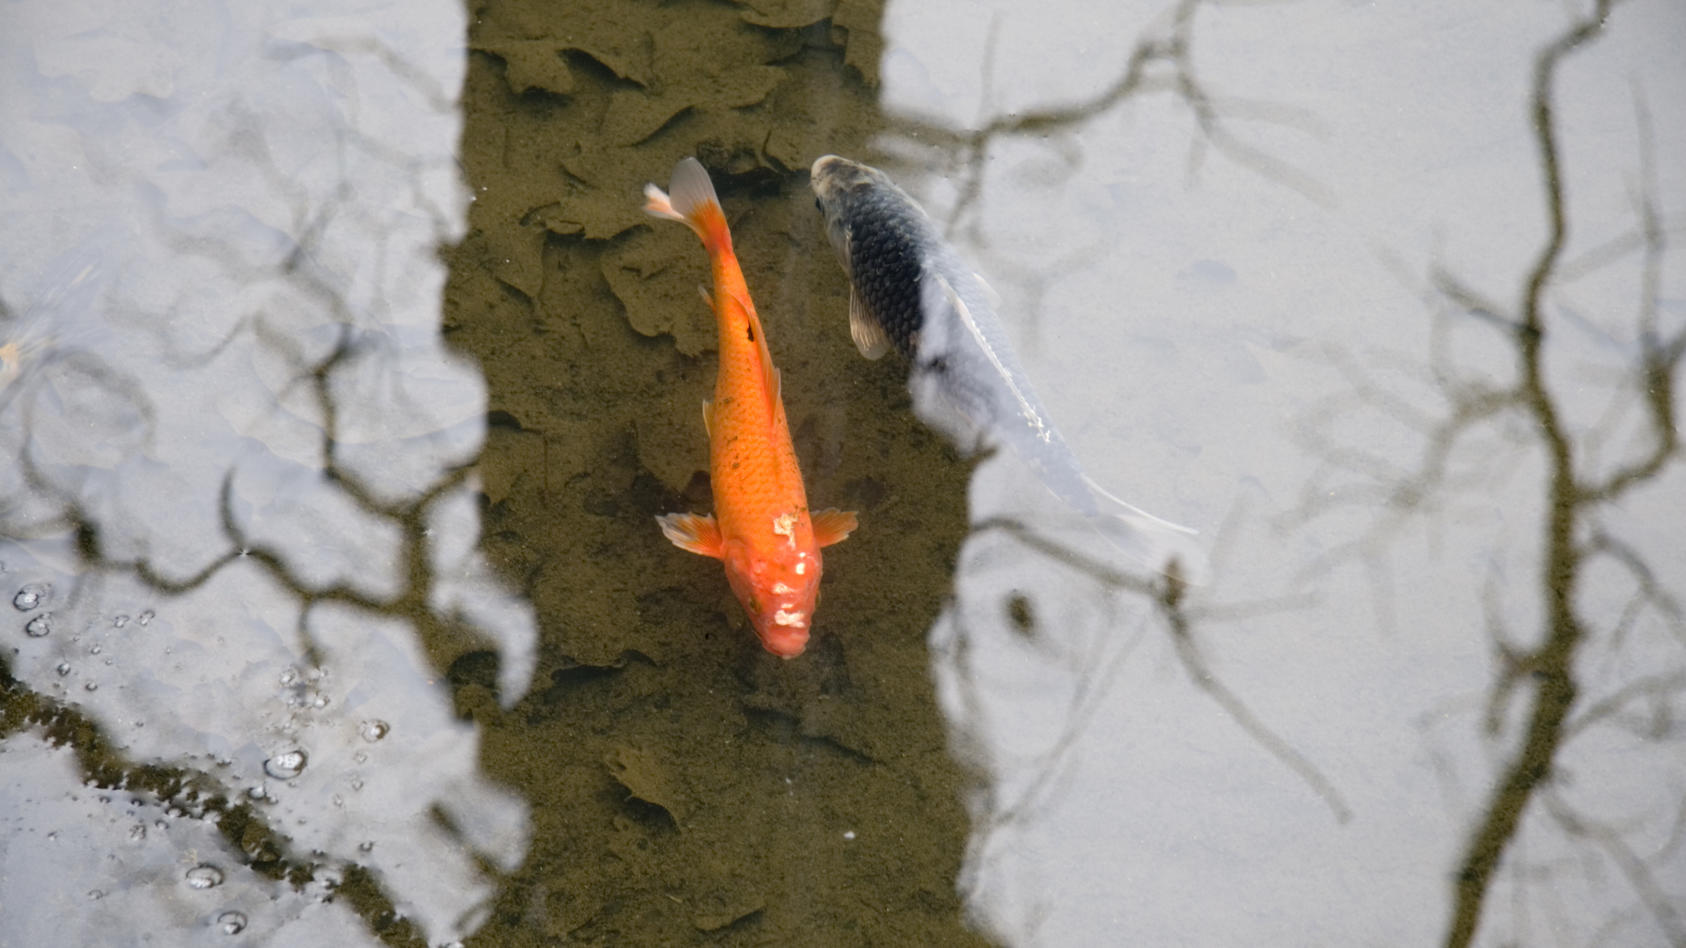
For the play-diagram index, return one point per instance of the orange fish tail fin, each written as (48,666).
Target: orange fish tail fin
(691,201)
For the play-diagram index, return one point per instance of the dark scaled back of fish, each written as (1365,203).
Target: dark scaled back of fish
(888,239)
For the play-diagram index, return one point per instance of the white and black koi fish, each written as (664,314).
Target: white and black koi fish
(909,289)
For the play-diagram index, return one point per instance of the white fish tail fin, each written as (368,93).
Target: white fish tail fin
(1156,544)
(1136,512)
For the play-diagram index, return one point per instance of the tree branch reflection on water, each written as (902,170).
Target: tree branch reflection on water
(1574,647)
(1018,790)
(440,609)
(240,495)
(1161,61)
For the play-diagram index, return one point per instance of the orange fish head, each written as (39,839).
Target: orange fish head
(779,593)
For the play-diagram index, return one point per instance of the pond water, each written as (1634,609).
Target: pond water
(341,379)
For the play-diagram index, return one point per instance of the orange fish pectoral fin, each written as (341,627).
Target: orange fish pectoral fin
(693,533)
(832,525)
(708,417)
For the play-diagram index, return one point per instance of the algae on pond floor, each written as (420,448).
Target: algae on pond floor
(685,785)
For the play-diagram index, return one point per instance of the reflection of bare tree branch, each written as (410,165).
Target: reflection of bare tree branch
(1552,663)
(1170,601)
(1173,52)
(1651,593)
(1539,666)
(1168,593)
(1659,359)
(195,792)
(200,797)
(1638,873)
(1656,687)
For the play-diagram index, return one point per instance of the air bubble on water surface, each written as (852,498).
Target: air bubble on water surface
(31,595)
(286,765)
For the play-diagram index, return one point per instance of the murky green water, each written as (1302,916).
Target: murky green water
(343,379)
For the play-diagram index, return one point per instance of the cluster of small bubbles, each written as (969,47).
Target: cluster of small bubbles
(356,783)
(286,765)
(361,757)
(39,626)
(367,846)
(96,894)
(258,792)
(31,595)
(231,923)
(91,686)
(204,876)
(295,690)
(373,730)
(63,668)
(145,618)
(119,622)
(137,832)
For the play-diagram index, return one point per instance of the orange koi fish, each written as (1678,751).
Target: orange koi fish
(761,527)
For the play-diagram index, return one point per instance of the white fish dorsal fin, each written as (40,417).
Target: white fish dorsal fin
(867,332)
(937,289)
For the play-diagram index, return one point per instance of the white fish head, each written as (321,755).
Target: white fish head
(831,178)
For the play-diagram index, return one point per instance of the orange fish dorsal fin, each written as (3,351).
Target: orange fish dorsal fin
(772,384)
(693,533)
(832,525)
